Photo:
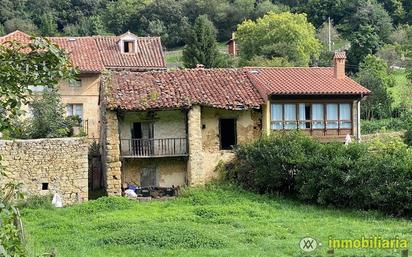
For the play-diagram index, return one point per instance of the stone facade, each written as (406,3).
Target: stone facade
(48,166)
(248,128)
(195,173)
(111,149)
(87,94)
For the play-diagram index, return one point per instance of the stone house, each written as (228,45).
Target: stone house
(174,128)
(320,101)
(92,55)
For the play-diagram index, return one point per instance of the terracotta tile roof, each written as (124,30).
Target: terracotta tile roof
(302,81)
(219,88)
(83,52)
(149,53)
(17,36)
(340,55)
(93,54)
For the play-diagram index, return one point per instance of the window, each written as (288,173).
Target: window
(290,116)
(149,177)
(128,47)
(305,114)
(345,115)
(318,117)
(37,88)
(277,116)
(227,129)
(311,116)
(44,186)
(332,116)
(75,83)
(75,110)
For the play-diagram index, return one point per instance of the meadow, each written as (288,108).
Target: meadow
(216,220)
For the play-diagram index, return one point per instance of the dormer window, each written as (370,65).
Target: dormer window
(128,43)
(128,47)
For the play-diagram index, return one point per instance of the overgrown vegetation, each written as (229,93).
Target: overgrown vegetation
(217,220)
(383,125)
(377,175)
(47,119)
(270,37)
(36,64)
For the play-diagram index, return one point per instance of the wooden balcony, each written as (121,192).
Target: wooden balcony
(150,148)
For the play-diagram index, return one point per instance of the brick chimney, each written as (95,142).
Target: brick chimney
(339,65)
(231,46)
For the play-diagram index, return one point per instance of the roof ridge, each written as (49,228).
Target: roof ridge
(15,32)
(265,67)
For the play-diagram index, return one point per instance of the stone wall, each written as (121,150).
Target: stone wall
(248,128)
(195,172)
(111,152)
(170,171)
(48,166)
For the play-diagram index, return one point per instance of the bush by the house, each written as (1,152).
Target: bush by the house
(377,175)
(408,133)
(47,119)
(390,124)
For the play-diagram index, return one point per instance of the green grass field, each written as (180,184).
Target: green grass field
(211,221)
(402,88)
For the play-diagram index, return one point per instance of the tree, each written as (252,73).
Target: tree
(395,9)
(38,63)
(367,29)
(47,118)
(323,34)
(319,11)
(122,15)
(286,35)
(373,74)
(201,45)
(21,24)
(164,18)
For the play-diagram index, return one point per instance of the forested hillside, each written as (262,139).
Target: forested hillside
(376,34)
(169,18)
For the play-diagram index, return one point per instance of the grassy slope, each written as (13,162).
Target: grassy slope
(399,90)
(204,222)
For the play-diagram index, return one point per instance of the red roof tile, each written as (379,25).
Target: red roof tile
(149,54)
(93,54)
(302,81)
(340,55)
(83,52)
(16,36)
(219,88)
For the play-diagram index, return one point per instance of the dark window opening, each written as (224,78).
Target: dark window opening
(44,186)
(308,115)
(142,138)
(128,47)
(227,128)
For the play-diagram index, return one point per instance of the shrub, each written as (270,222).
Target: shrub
(39,202)
(377,175)
(408,133)
(373,126)
(269,164)
(47,120)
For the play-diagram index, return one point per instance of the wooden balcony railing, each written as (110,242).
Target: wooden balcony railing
(146,148)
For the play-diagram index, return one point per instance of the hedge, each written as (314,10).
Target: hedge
(376,175)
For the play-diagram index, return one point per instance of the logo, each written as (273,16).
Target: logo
(308,244)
